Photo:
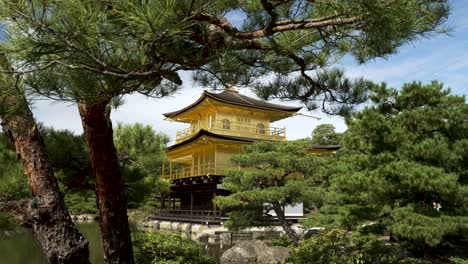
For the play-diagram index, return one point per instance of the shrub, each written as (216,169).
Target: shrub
(341,247)
(282,241)
(7,222)
(13,182)
(81,202)
(455,260)
(167,248)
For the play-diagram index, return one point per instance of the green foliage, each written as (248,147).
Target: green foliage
(140,147)
(6,222)
(87,50)
(141,154)
(404,168)
(81,202)
(454,260)
(13,181)
(167,248)
(282,241)
(272,173)
(325,134)
(340,247)
(69,157)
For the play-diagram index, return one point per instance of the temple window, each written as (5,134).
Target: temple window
(260,128)
(226,124)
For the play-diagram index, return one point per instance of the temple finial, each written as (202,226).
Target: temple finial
(231,89)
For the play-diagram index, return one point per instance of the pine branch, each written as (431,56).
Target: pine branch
(290,25)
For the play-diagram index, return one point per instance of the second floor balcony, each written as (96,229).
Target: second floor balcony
(246,130)
(173,172)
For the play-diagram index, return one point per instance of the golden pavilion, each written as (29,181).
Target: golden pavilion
(220,123)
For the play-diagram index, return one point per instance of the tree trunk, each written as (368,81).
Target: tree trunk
(284,223)
(113,221)
(46,212)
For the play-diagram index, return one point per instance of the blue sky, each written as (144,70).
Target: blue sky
(440,57)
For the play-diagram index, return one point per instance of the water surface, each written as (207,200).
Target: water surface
(22,248)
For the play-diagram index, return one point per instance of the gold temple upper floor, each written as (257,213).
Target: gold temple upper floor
(226,127)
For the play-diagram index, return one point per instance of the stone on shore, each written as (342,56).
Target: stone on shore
(255,252)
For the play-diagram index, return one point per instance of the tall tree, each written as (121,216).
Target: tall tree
(92,52)
(46,213)
(141,153)
(272,177)
(325,134)
(68,156)
(404,168)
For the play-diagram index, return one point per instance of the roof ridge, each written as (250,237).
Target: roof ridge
(242,97)
(239,99)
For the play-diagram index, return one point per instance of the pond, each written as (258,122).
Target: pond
(22,248)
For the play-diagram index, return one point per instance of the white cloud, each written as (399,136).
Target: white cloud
(148,111)
(441,57)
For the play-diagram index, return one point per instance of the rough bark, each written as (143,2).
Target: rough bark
(46,212)
(113,221)
(284,223)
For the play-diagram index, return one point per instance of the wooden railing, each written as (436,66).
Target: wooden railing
(195,216)
(187,172)
(209,169)
(234,129)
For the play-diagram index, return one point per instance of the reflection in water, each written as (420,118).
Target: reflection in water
(22,248)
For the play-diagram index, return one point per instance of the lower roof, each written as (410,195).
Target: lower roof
(326,147)
(203,132)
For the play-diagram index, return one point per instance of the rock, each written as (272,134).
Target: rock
(312,232)
(273,255)
(176,226)
(226,237)
(155,224)
(187,228)
(165,225)
(254,252)
(242,253)
(84,217)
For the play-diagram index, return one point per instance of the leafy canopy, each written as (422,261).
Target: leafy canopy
(272,173)
(325,134)
(84,50)
(167,248)
(404,166)
(141,154)
(13,181)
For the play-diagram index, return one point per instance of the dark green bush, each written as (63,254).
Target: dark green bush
(81,202)
(167,248)
(7,222)
(341,247)
(454,260)
(281,241)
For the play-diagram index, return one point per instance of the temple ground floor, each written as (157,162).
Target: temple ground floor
(191,201)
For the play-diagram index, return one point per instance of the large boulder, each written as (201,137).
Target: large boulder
(254,252)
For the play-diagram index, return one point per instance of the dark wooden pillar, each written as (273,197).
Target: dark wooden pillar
(191,202)
(212,201)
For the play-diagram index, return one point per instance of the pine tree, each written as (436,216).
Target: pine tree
(141,155)
(93,52)
(325,134)
(404,168)
(46,213)
(272,176)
